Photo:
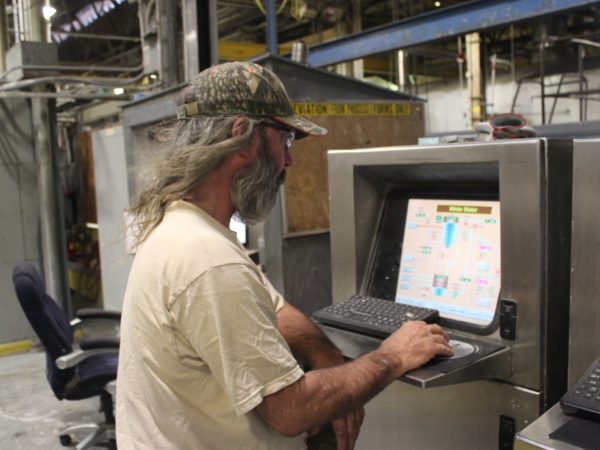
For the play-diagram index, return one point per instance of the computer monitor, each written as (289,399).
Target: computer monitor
(451,258)
(441,253)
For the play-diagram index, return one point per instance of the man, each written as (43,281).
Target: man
(210,352)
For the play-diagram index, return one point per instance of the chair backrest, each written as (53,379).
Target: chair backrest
(48,321)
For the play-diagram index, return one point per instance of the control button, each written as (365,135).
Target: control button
(508,319)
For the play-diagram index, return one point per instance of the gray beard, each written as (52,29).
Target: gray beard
(254,188)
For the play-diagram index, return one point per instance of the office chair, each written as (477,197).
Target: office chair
(72,374)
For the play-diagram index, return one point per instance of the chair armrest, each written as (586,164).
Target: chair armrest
(92,347)
(95,313)
(94,344)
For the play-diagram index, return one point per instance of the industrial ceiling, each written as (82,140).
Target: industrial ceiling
(112,35)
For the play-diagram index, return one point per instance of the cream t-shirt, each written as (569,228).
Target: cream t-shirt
(199,342)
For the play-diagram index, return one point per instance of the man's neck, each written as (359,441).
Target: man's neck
(213,197)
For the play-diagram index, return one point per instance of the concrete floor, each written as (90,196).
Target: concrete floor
(31,417)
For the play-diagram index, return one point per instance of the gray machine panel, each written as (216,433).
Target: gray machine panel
(584,330)
(463,416)
(527,175)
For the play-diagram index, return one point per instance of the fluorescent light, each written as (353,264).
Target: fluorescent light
(118,91)
(48,11)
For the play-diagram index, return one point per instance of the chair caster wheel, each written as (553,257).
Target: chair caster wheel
(65,440)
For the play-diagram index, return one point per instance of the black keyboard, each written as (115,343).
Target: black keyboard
(584,395)
(372,316)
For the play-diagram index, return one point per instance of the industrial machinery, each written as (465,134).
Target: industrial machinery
(391,209)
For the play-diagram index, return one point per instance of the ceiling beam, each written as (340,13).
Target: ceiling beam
(440,24)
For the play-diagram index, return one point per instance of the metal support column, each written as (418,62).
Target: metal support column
(271,27)
(3,35)
(474,79)
(358,64)
(580,56)
(168,46)
(200,36)
(51,208)
(542,76)
(51,217)
(191,38)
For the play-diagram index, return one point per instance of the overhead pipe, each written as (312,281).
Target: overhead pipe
(33,94)
(106,37)
(73,68)
(105,82)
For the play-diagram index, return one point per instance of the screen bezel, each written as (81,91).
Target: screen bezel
(377,283)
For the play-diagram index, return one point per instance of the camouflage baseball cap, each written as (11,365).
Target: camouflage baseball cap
(246,89)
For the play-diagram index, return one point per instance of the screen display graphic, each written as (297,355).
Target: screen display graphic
(451,258)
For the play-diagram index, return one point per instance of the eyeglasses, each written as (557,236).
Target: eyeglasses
(289,133)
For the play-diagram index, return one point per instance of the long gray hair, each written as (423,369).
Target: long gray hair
(192,149)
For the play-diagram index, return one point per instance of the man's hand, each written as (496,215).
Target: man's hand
(346,429)
(414,344)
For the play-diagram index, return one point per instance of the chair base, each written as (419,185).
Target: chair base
(96,434)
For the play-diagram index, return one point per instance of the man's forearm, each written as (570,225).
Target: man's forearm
(306,340)
(326,394)
(323,395)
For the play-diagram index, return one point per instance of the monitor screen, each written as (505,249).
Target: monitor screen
(450,259)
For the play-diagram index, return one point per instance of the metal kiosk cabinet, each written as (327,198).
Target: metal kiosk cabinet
(555,429)
(482,405)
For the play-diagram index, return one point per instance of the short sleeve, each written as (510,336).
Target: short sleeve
(229,318)
(276,297)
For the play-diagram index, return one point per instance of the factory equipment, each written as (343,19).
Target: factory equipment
(584,333)
(403,207)
(567,429)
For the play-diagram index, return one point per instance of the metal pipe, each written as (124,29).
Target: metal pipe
(3,35)
(271,27)
(49,186)
(73,68)
(560,83)
(542,75)
(586,42)
(21,94)
(512,54)
(214,32)
(50,217)
(357,64)
(107,82)
(580,55)
(34,21)
(107,37)
(17,20)
(168,49)
(191,22)
(401,70)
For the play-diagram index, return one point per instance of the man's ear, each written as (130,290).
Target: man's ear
(239,126)
(247,154)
